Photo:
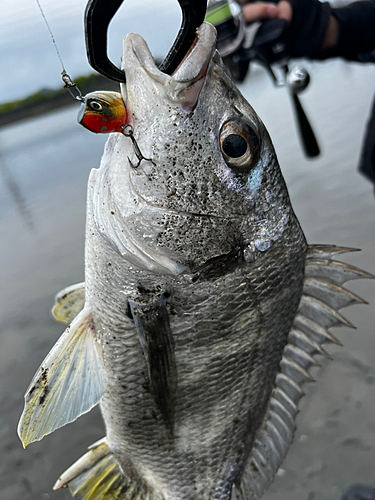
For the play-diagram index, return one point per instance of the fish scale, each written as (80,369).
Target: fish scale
(203,308)
(205,393)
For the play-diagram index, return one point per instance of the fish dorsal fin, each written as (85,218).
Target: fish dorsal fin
(69,382)
(321,298)
(98,476)
(69,302)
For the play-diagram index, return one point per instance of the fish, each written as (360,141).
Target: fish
(203,307)
(102,112)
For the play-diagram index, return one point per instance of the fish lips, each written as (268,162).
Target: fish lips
(185,84)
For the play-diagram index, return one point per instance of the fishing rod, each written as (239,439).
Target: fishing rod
(240,44)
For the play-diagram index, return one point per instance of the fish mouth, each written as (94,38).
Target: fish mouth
(191,69)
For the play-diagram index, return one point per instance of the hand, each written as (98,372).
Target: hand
(263,10)
(283,10)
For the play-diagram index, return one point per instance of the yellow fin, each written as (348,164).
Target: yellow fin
(68,384)
(69,302)
(98,476)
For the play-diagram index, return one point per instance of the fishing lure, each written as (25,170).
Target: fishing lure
(102,112)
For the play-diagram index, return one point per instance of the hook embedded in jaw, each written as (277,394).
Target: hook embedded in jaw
(139,161)
(127,130)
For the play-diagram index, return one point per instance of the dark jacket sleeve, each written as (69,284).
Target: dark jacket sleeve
(356,29)
(306,32)
(309,24)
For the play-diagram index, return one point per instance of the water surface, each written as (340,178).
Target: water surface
(44,167)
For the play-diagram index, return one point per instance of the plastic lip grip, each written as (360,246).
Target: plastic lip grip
(98,15)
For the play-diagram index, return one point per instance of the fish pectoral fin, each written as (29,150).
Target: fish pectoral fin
(69,382)
(69,302)
(156,339)
(98,476)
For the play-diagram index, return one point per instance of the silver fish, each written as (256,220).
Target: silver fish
(203,306)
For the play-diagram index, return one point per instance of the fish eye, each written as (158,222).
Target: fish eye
(95,105)
(239,145)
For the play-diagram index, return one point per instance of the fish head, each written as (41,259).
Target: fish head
(102,112)
(209,181)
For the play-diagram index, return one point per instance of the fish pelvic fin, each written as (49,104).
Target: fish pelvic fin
(322,297)
(155,336)
(69,382)
(98,476)
(69,302)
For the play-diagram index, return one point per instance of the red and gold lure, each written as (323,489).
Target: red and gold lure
(103,112)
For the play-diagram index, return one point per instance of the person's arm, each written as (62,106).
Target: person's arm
(356,33)
(319,31)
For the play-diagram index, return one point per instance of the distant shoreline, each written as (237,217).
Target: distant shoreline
(49,100)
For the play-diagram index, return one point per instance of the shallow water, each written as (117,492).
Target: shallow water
(44,166)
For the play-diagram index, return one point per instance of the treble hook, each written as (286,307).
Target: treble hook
(98,15)
(127,130)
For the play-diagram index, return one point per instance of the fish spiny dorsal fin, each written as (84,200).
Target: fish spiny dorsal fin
(69,302)
(321,299)
(327,251)
(333,271)
(333,295)
(98,476)
(306,343)
(69,382)
(314,331)
(322,314)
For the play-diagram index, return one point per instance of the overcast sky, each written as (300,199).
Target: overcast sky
(28,61)
(27,56)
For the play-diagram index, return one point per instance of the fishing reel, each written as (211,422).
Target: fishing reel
(239,44)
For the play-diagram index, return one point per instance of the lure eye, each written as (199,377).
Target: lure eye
(95,105)
(239,146)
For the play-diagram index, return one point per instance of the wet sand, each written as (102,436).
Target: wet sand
(44,166)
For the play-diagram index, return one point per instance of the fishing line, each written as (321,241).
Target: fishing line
(68,82)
